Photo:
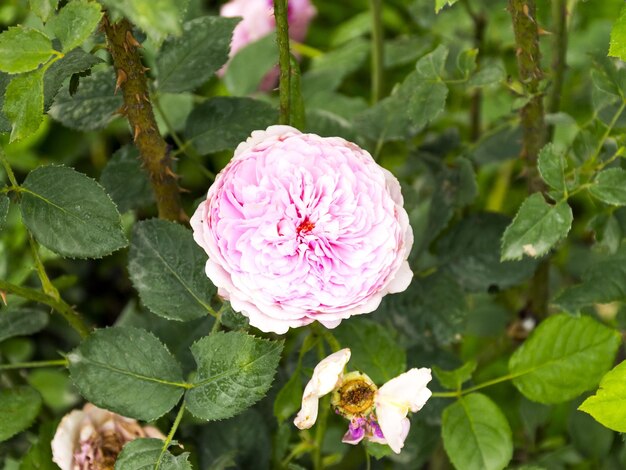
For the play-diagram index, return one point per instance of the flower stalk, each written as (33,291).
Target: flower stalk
(284,60)
(377,51)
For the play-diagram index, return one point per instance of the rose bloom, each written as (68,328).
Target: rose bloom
(376,414)
(92,438)
(302,228)
(258,21)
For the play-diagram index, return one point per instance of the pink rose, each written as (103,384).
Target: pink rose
(302,228)
(258,21)
(92,438)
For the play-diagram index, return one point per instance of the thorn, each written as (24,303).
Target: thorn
(3,296)
(137,132)
(122,110)
(183,190)
(137,97)
(130,39)
(526,12)
(125,44)
(121,79)
(543,32)
(146,99)
(170,173)
(146,69)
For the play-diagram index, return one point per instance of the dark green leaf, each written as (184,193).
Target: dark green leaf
(289,397)
(158,18)
(608,405)
(221,123)
(610,186)
(21,322)
(551,165)
(563,357)
(4,209)
(248,67)
(70,213)
(453,379)
(125,181)
(167,268)
(591,438)
(18,409)
(72,63)
(143,380)
(39,456)
(234,372)
(23,104)
(23,49)
(188,61)
(142,454)
(75,22)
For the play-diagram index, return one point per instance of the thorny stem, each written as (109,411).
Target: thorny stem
(170,436)
(131,78)
(284,60)
(559,47)
(35,364)
(377,51)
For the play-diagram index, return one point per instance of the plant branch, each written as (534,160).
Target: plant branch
(8,170)
(131,78)
(377,51)
(170,436)
(35,364)
(480,386)
(284,60)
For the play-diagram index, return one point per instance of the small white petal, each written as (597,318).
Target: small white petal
(66,439)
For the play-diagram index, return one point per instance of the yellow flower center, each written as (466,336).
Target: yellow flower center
(355,395)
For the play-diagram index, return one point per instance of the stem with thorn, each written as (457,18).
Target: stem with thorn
(284,60)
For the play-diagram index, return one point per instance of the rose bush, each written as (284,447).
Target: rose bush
(302,228)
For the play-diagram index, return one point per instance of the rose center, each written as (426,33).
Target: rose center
(305,226)
(355,396)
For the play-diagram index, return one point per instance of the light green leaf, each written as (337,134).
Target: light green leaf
(608,405)
(73,62)
(427,102)
(476,434)
(142,454)
(453,379)
(221,123)
(54,386)
(490,71)
(563,357)
(536,228)
(21,322)
(126,181)
(4,209)
(143,380)
(439,4)
(18,409)
(92,106)
(235,371)
(43,8)
(75,22)
(375,350)
(70,213)
(610,186)
(158,18)
(23,49)
(5,124)
(551,165)
(188,61)
(617,47)
(466,62)
(248,67)
(167,268)
(289,397)
(39,456)
(23,104)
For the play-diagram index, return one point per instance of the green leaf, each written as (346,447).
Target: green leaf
(221,123)
(142,453)
(55,388)
(429,92)
(4,209)
(289,397)
(70,213)
(18,409)
(617,47)
(126,181)
(563,357)
(21,322)
(75,22)
(439,4)
(43,8)
(375,350)
(92,106)
(536,228)
(551,165)
(158,18)
(251,63)
(39,456)
(23,104)
(466,62)
(453,379)
(610,187)
(235,371)
(167,268)
(188,61)
(608,405)
(23,49)
(143,380)
(5,124)
(476,434)
(73,62)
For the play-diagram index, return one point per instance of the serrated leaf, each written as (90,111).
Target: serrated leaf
(617,47)
(70,213)
(126,181)
(75,22)
(92,106)
(563,357)
(18,409)
(551,165)
(289,397)
(428,101)
(158,18)
(221,123)
(188,61)
(23,49)
(166,267)
(476,434)
(608,405)
(43,8)
(4,209)
(145,453)
(21,322)
(235,371)
(439,4)
(453,379)
(143,380)
(23,104)
(5,124)
(610,186)
(251,63)
(73,62)
(536,228)
(375,350)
